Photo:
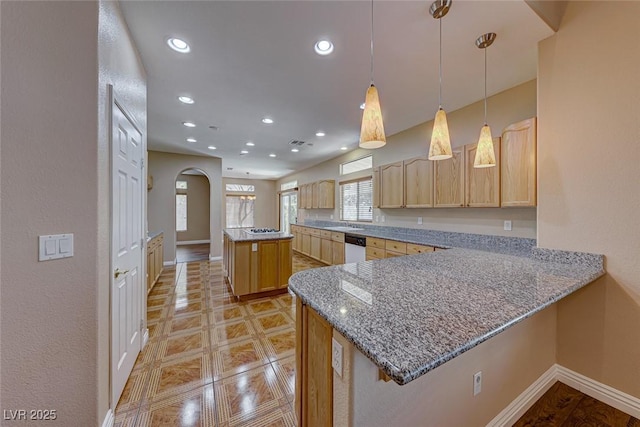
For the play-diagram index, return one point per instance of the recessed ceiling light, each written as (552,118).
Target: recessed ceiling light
(323,47)
(189,124)
(250,144)
(192,140)
(272,155)
(294,150)
(343,148)
(211,147)
(362,106)
(319,133)
(178,45)
(267,120)
(244,152)
(185,100)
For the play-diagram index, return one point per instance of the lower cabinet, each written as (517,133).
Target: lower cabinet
(155,257)
(326,251)
(322,245)
(316,247)
(337,253)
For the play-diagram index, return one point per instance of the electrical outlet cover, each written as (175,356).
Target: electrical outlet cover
(477,383)
(336,356)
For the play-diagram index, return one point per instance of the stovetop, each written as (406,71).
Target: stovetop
(262,231)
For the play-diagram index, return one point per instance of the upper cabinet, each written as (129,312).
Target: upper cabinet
(418,182)
(482,185)
(317,195)
(375,183)
(449,181)
(518,171)
(326,194)
(391,185)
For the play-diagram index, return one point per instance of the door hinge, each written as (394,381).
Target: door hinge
(141,163)
(141,324)
(141,243)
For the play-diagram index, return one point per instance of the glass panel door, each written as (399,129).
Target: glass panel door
(288,210)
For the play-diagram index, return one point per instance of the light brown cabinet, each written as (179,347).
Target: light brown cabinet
(155,258)
(518,171)
(375,184)
(413,249)
(449,181)
(418,182)
(326,194)
(337,252)
(317,195)
(326,251)
(482,185)
(314,195)
(322,245)
(316,247)
(391,185)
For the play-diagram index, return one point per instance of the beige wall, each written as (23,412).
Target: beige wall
(198,208)
(57,58)
(265,209)
(504,108)
(589,170)
(510,362)
(165,168)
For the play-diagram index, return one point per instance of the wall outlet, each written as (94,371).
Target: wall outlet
(507,225)
(419,220)
(382,218)
(336,356)
(331,216)
(377,218)
(477,383)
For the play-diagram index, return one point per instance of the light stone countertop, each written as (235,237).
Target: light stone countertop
(240,235)
(410,314)
(153,235)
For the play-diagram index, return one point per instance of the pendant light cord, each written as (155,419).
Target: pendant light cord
(485,86)
(440,67)
(371,72)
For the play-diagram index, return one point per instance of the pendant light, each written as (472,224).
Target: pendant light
(440,147)
(485,155)
(372,130)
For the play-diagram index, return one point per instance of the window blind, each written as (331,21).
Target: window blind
(356,200)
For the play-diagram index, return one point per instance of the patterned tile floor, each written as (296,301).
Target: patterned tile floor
(212,361)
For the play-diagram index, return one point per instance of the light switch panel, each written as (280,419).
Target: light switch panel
(55,246)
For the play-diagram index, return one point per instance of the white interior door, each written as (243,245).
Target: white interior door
(126,248)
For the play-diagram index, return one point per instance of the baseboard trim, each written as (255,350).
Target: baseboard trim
(192,242)
(604,393)
(145,338)
(215,258)
(169,263)
(109,419)
(525,400)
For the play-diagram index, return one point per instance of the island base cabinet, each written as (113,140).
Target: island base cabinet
(155,258)
(314,375)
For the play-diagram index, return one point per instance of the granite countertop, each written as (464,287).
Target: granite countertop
(152,235)
(411,314)
(445,240)
(240,235)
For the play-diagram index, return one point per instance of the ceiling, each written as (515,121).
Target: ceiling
(249,60)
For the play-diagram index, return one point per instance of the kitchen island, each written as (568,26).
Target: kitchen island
(428,322)
(256,263)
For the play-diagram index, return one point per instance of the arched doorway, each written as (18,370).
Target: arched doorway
(192,215)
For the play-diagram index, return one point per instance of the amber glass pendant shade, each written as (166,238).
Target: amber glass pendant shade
(485,156)
(372,130)
(440,147)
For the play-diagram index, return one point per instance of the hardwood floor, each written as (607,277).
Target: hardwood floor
(188,253)
(564,406)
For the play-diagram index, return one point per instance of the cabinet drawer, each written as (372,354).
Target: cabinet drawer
(375,253)
(314,232)
(325,234)
(413,249)
(439,249)
(337,237)
(391,254)
(375,243)
(399,247)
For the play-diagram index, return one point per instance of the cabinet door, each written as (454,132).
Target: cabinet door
(306,244)
(327,194)
(315,247)
(301,196)
(325,251)
(482,185)
(449,181)
(337,253)
(518,171)
(375,182)
(392,185)
(314,195)
(308,201)
(268,265)
(418,182)
(158,261)
(150,269)
(286,264)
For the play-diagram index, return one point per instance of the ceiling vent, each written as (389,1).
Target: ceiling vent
(297,143)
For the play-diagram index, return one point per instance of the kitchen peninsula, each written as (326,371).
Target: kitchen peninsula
(256,261)
(428,322)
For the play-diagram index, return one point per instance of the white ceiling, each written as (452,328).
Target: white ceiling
(254,59)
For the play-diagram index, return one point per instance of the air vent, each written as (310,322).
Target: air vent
(296,143)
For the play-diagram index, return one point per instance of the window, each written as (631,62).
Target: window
(356,200)
(181,185)
(356,165)
(240,211)
(240,188)
(181,212)
(289,185)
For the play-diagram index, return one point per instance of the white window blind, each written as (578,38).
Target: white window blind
(240,211)
(356,200)
(181,212)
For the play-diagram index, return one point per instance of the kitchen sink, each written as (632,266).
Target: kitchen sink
(343,229)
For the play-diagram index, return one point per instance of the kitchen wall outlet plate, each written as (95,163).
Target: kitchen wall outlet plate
(254,247)
(419,220)
(507,225)
(477,383)
(336,356)
(331,216)
(382,218)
